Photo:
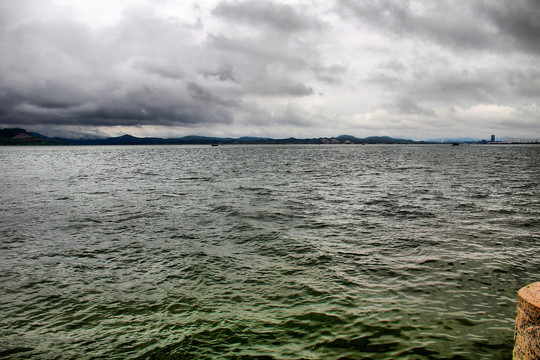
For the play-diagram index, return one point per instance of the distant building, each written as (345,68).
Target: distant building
(492,138)
(520,141)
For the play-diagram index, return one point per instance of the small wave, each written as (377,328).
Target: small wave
(194,178)
(479,195)
(316,260)
(320,318)
(409,213)
(362,344)
(314,225)
(177,195)
(19,351)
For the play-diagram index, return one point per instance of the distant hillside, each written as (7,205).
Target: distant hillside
(18,136)
(386,140)
(206,140)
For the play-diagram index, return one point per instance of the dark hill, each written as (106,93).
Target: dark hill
(18,136)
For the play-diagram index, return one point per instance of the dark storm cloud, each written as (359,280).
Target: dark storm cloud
(278,17)
(122,111)
(136,108)
(138,72)
(442,22)
(271,59)
(144,69)
(205,96)
(263,67)
(518,20)
(477,25)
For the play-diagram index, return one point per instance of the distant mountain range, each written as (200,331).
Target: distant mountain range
(17,136)
(207,140)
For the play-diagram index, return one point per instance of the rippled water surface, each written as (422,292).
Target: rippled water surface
(265,252)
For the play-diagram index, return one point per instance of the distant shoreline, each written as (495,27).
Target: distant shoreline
(20,137)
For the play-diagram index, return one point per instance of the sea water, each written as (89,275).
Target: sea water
(266,252)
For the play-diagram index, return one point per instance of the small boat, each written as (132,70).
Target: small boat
(215,145)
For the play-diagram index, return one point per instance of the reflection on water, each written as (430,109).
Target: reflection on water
(268,252)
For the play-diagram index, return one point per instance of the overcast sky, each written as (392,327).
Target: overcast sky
(412,69)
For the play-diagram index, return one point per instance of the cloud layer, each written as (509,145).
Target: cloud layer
(413,69)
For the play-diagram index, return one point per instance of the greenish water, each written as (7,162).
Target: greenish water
(265,252)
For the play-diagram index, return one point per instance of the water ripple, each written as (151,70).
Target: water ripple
(265,252)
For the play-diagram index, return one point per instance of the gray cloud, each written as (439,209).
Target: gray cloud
(432,23)
(138,72)
(476,25)
(329,74)
(408,106)
(264,68)
(203,95)
(277,17)
(516,20)
(225,72)
(251,66)
(524,82)
(261,51)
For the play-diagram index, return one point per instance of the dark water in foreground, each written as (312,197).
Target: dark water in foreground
(266,252)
